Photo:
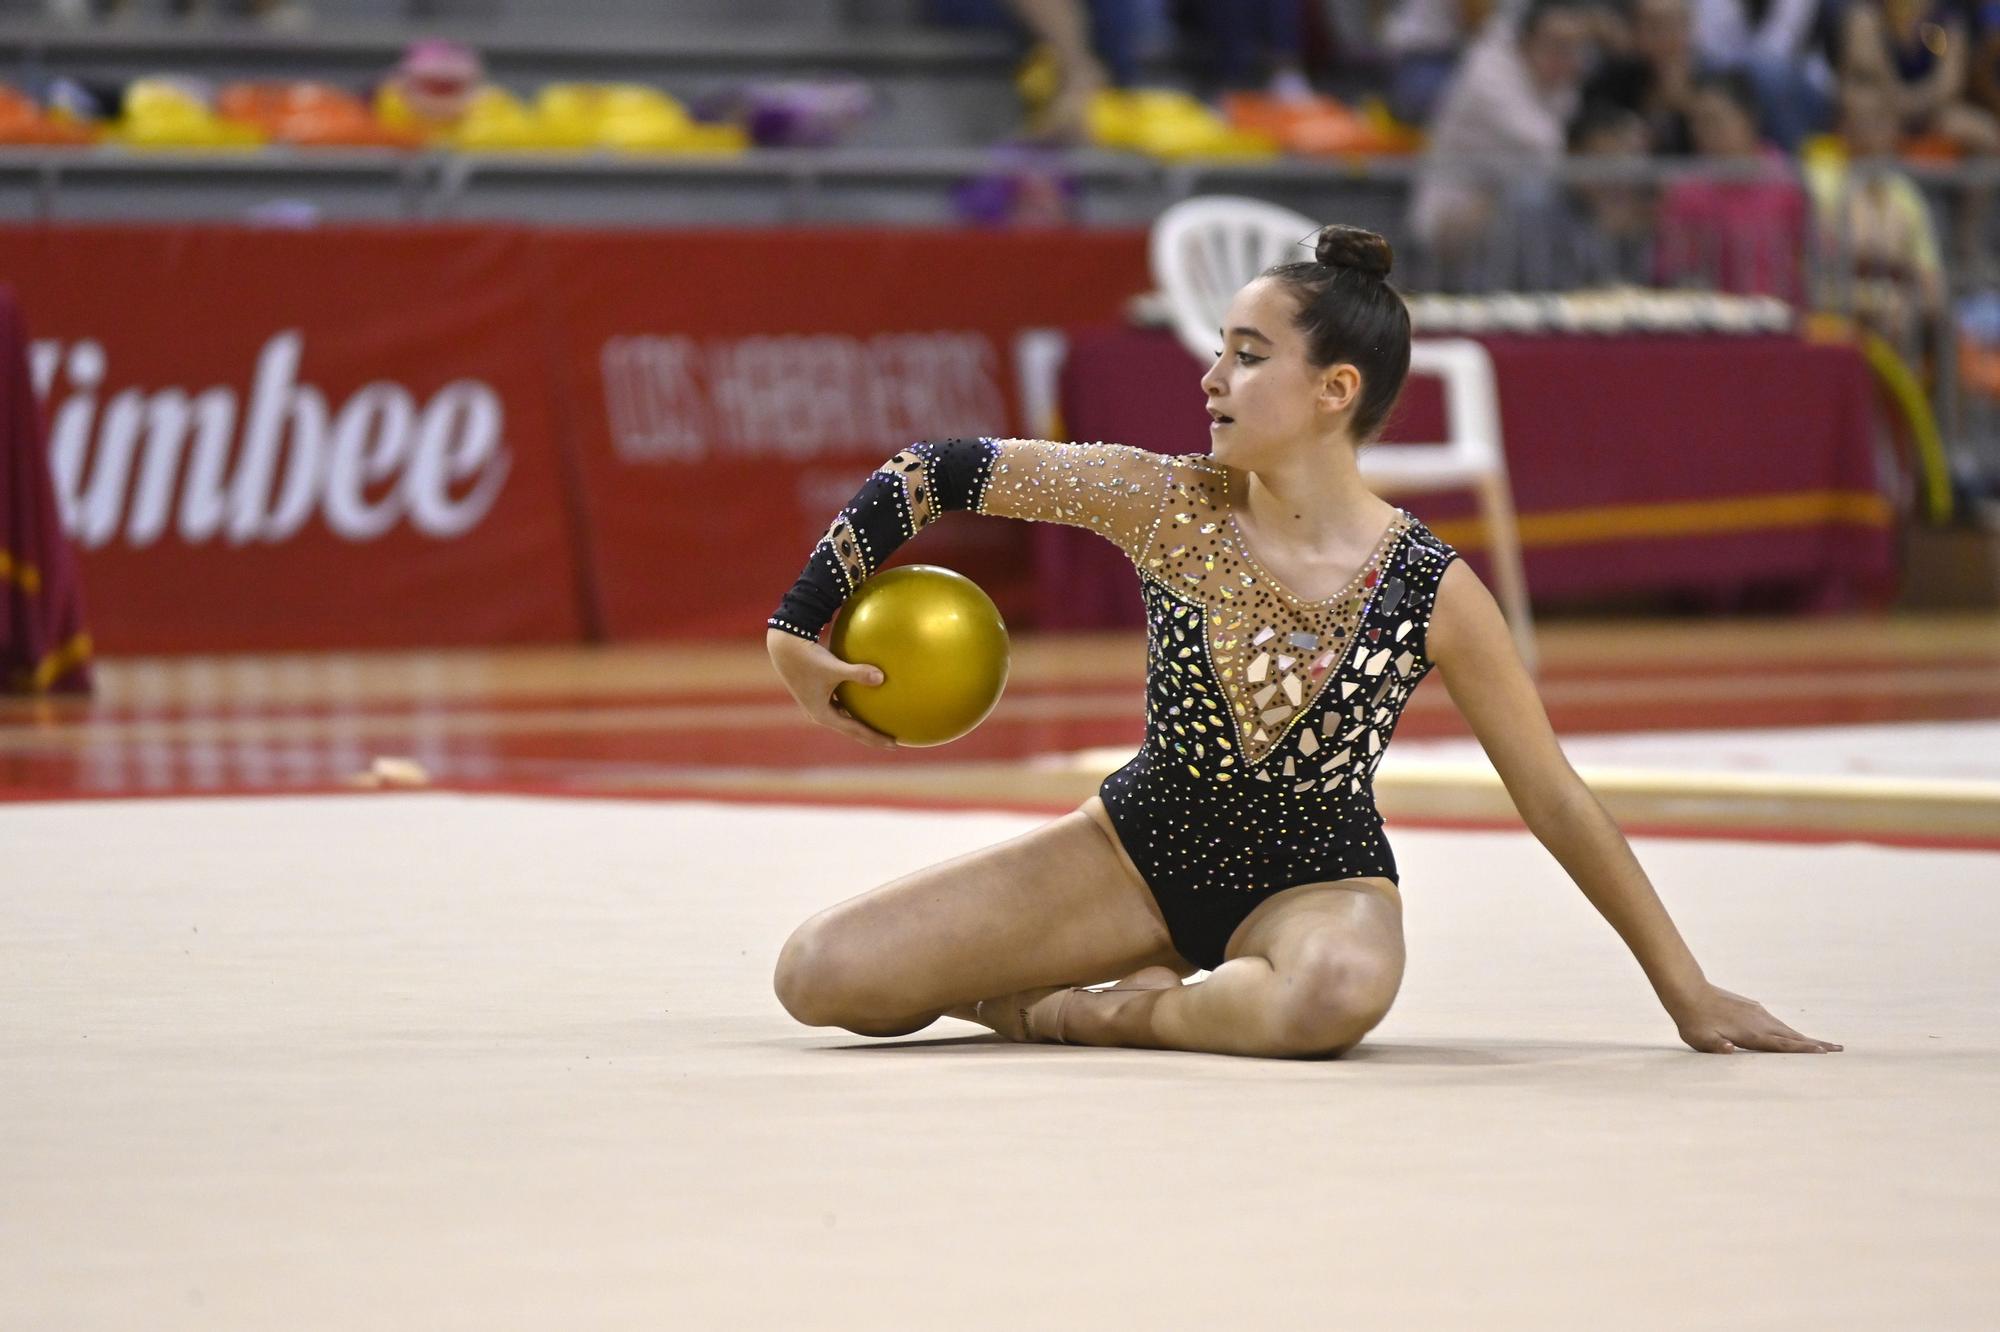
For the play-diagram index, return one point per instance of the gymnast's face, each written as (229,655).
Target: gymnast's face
(1265,400)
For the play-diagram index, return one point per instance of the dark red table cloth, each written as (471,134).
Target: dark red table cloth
(1734,471)
(43,646)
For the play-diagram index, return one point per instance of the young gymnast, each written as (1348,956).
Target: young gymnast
(1290,614)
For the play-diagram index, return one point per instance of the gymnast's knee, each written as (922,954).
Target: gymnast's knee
(822,983)
(800,978)
(1324,1012)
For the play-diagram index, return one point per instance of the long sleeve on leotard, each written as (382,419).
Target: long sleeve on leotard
(1111,489)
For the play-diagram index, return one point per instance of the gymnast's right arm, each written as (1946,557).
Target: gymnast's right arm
(1109,488)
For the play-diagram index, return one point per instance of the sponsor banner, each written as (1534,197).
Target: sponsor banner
(272,440)
(361,437)
(730,391)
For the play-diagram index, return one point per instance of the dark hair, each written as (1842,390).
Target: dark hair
(1349,312)
(1538,10)
(1601,117)
(1738,88)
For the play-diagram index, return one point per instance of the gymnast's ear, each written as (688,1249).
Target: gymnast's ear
(1339,387)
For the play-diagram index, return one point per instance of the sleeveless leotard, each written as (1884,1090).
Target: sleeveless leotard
(1266,715)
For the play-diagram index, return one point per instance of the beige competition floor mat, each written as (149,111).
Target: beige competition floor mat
(439,1061)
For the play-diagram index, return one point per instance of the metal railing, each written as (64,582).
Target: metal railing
(1904,252)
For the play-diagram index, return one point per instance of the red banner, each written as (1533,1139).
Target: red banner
(731,391)
(269,440)
(362,437)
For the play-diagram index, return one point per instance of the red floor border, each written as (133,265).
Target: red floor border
(679,795)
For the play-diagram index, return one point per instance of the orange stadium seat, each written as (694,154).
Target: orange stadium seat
(22,121)
(310,114)
(1321,125)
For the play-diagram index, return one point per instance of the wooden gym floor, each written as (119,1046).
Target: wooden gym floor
(1790,728)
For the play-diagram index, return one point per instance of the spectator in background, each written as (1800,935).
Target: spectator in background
(1881,246)
(1654,75)
(1064,28)
(1775,43)
(1742,233)
(1256,45)
(1983,75)
(1982,61)
(1423,40)
(1918,53)
(1507,108)
(1593,232)
(1090,46)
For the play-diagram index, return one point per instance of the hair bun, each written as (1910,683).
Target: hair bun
(1353,247)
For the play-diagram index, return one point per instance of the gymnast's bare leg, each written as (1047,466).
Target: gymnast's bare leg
(1060,907)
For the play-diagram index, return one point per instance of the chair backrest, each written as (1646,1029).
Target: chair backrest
(1471,446)
(1204,249)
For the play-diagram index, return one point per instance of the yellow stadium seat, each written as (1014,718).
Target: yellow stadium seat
(630,117)
(1170,125)
(162,113)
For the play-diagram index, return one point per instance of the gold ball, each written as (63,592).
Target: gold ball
(941,647)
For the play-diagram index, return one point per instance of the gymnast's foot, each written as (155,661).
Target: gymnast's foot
(1040,1011)
(1049,1020)
(1025,1015)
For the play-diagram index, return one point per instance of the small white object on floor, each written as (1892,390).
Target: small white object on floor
(387,770)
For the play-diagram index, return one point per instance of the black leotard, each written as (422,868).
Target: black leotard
(1265,715)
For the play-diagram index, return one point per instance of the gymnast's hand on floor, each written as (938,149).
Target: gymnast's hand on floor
(1718,1022)
(812,673)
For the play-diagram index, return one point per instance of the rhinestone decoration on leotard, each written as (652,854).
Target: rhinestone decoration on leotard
(1272,653)
(1266,715)
(1111,489)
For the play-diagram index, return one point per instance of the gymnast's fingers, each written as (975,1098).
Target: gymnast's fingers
(1785,1045)
(1782,1032)
(1787,1032)
(840,719)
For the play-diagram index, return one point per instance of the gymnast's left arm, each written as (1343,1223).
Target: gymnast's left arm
(1470,645)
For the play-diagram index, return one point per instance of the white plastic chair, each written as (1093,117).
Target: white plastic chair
(1470,457)
(1204,249)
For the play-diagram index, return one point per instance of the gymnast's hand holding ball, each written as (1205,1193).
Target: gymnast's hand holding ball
(918,657)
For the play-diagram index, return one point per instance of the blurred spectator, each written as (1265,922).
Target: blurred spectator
(1024,187)
(1256,43)
(435,81)
(1654,77)
(1095,44)
(1592,232)
(1506,108)
(1774,42)
(1880,244)
(1983,82)
(1918,52)
(1063,27)
(1743,232)
(1423,39)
